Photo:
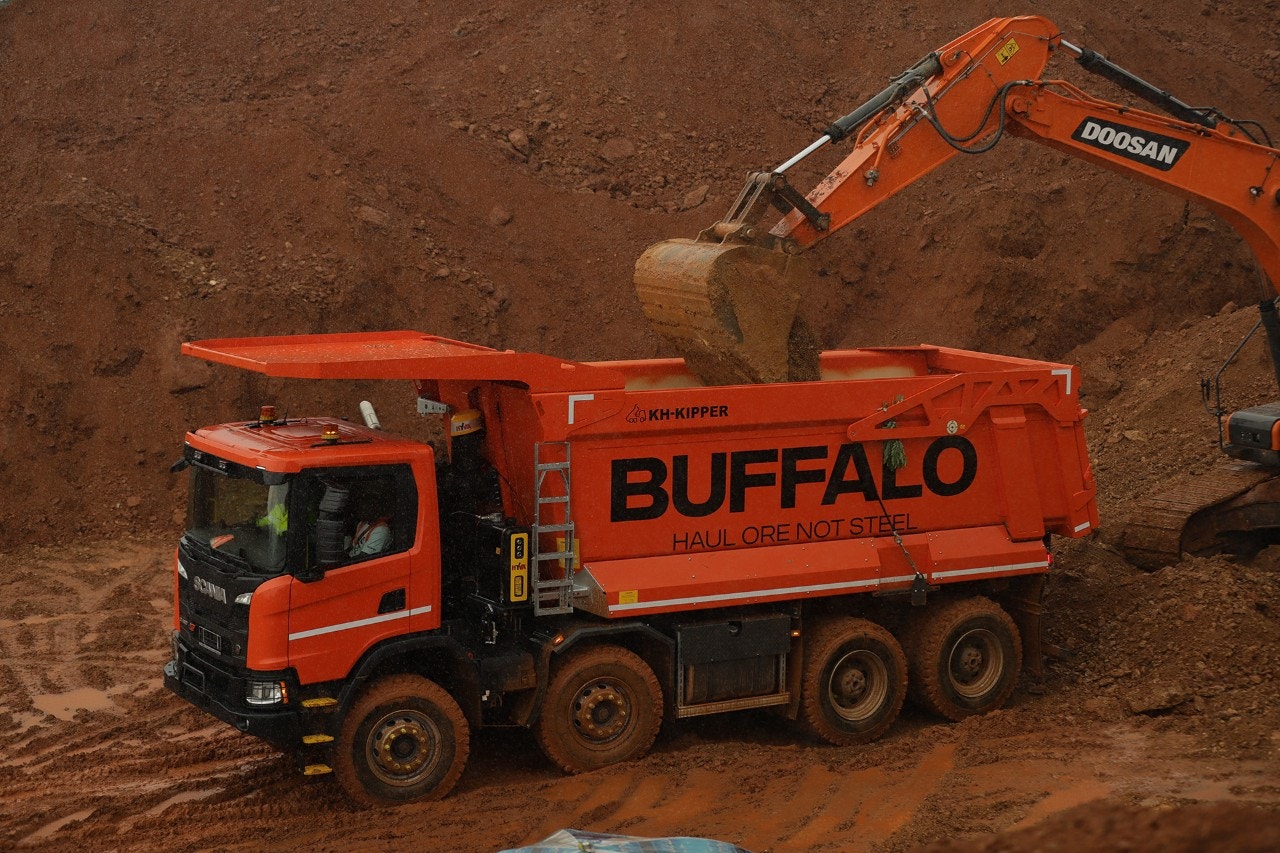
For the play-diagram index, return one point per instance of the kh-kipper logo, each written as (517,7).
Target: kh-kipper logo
(638,415)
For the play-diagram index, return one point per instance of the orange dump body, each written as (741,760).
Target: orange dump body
(693,497)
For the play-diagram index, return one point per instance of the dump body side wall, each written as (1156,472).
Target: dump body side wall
(698,497)
(687,470)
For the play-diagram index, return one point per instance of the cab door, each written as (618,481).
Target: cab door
(368,597)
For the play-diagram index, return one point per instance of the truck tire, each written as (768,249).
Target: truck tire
(603,706)
(854,681)
(404,739)
(965,657)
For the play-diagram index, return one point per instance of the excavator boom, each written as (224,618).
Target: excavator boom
(727,300)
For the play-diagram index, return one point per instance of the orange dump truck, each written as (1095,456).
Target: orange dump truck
(596,546)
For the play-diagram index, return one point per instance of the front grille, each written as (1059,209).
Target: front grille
(220,629)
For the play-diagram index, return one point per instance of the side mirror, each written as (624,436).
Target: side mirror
(331,528)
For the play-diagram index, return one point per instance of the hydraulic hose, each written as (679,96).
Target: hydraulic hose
(957,142)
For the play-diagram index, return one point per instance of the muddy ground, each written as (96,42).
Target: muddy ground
(491,172)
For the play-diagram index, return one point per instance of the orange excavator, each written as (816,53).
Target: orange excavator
(727,300)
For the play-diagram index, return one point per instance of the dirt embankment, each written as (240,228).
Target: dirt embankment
(492,175)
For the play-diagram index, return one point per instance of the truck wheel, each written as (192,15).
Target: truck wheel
(603,706)
(854,681)
(404,739)
(965,658)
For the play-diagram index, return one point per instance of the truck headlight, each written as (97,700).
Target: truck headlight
(264,692)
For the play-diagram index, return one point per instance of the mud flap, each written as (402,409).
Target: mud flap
(1025,603)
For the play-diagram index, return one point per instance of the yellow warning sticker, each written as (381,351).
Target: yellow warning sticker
(628,596)
(1006,53)
(577,550)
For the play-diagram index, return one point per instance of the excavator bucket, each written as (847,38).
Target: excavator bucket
(730,309)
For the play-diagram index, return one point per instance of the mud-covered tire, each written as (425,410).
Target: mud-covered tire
(965,657)
(404,739)
(854,681)
(603,706)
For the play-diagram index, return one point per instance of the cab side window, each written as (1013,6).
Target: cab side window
(371,518)
(376,508)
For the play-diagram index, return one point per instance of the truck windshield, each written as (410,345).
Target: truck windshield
(239,518)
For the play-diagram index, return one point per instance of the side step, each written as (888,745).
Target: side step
(314,744)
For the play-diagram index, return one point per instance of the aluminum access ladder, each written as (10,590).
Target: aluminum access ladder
(552,591)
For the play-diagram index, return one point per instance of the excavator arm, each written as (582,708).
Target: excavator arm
(895,142)
(728,298)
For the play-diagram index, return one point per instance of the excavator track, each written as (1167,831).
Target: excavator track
(1234,499)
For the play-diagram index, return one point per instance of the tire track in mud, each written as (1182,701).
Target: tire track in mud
(92,742)
(753,799)
(928,782)
(149,772)
(871,803)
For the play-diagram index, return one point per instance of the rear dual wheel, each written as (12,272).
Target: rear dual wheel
(854,681)
(965,657)
(603,706)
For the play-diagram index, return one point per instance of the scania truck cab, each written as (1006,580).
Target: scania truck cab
(269,595)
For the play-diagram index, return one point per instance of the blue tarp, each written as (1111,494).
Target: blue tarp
(578,841)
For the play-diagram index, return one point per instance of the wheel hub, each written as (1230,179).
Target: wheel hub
(858,685)
(852,684)
(976,663)
(601,712)
(970,663)
(402,747)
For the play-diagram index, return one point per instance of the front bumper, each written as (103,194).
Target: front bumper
(219,690)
